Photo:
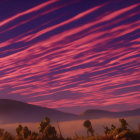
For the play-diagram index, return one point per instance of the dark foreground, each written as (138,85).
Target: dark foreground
(48,132)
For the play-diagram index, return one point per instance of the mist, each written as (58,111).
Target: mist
(71,128)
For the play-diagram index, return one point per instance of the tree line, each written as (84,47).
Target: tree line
(48,132)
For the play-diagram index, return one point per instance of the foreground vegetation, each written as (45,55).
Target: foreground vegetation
(48,132)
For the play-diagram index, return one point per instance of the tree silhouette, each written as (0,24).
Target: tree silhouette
(4,135)
(123,124)
(88,126)
(44,124)
(106,130)
(18,130)
(47,131)
(22,132)
(1,132)
(113,127)
(26,132)
(7,136)
(34,136)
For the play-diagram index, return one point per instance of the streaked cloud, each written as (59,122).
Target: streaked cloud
(72,58)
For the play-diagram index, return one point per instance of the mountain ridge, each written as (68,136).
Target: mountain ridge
(12,111)
(96,113)
(24,112)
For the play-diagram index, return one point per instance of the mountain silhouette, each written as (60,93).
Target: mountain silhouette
(94,113)
(12,111)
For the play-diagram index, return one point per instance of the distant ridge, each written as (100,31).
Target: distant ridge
(95,113)
(12,111)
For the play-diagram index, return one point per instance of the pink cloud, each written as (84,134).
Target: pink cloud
(89,62)
(36,8)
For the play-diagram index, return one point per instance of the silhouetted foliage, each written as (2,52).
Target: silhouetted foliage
(44,124)
(106,130)
(4,135)
(123,124)
(87,124)
(18,130)
(121,133)
(22,132)
(48,132)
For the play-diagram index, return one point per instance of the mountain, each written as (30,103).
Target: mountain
(12,111)
(93,113)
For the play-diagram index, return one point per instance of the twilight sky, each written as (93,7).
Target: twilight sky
(71,55)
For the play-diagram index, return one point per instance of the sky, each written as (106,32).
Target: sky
(71,55)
